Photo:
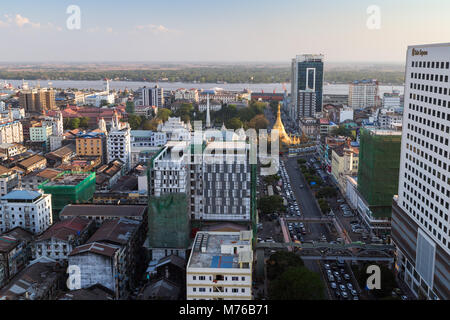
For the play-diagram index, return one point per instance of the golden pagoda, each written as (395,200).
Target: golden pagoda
(283,136)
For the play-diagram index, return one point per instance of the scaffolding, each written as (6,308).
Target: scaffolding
(169,221)
(379,163)
(70,188)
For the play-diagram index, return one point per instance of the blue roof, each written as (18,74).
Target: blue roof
(222,262)
(22,195)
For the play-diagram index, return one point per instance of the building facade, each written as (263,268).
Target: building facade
(30,210)
(420,217)
(363,94)
(306,85)
(220,266)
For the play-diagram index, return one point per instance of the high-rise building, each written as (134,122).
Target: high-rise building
(363,94)
(153,96)
(420,217)
(119,142)
(306,86)
(37,100)
(11,132)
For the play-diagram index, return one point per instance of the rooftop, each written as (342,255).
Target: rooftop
(90,210)
(63,230)
(223,250)
(69,179)
(31,161)
(117,231)
(22,195)
(103,249)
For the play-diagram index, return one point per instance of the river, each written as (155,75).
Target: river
(255,87)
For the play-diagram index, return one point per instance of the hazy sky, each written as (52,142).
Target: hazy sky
(226,30)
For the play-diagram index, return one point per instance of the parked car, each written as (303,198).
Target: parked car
(349,286)
(342,287)
(344,295)
(346,276)
(333,285)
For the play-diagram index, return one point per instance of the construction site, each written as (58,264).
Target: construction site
(70,188)
(379,161)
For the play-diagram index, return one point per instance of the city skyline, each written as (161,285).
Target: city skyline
(231,32)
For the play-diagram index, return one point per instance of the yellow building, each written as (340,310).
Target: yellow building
(344,162)
(91,144)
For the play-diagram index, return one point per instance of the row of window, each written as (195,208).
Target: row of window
(233,290)
(429,77)
(233,278)
(431,64)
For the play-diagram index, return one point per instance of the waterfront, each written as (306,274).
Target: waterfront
(133,85)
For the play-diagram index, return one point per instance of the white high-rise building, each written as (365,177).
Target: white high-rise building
(30,210)
(220,266)
(11,132)
(363,94)
(420,218)
(119,143)
(153,96)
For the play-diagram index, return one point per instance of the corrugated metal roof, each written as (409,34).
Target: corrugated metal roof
(22,195)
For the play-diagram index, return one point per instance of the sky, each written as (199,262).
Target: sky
(226,30)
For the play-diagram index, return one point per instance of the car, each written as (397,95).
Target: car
(346,276)
(333,285)
(330,278)
(342,271)
(354,293)
(344,295)
(326,266)
(404,297)
(336,273)
(302,186)
(337,293)
(342,287)
(355,298)
(339,279)
(349,286)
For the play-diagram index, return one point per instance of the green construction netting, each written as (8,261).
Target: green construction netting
(168,220)
(379,163)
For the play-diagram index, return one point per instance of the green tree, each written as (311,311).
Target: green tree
(234,124)
(164,114)
(341,131)
(271,179)
(388,282)
(151,125)
(279,262)
(74,123)
(259,122)
(324,206)
(327,192)
(271,204)
(130,108)
(297,283)
(135,121)
(84,122)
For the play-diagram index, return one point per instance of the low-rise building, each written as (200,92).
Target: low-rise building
(344,162)
(14,253)
(9,179)
(112,256)
(30,210)
(62,237)
(38,281)
(11,149)
(220,266)
(101,213)
(33,163)
(108,175)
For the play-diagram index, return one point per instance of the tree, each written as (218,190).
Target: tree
(135,121)
(301,161)
(297,283)
(271,179)
(74,123)
(279,262)
(327,192)
(234,124)
(324,206)
(388,283)
(164,114)
(103,103)
(271,204)
(84,122)
(259,122)
(130,108)
(151,125)
(341,131)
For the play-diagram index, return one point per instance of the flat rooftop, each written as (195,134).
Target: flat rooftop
(212,256)
(69,179)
